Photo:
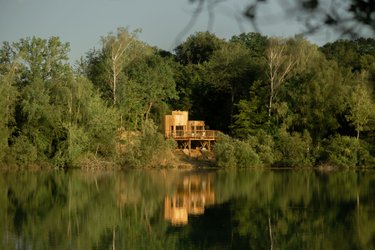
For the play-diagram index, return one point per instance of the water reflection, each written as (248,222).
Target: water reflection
(193,194)
(239,209)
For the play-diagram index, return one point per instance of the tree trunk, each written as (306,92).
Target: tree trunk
(114,82)
(148,110)
(271,100)
(270,107)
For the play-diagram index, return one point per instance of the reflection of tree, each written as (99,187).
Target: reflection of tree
(125,210)
(303,209)
(81,210)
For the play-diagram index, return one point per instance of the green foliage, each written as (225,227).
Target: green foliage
(264,145)
(42,59)
(252,113)
(317,98)
(228,74)
(366,156)
(198,48)
(255,42)
(153,77)
(54,116)
(118,51)
(345,151)
(356,55)
(23,151)
(272,93)
(342,151)
(8,97)
(147,149)
(234,153)
(295,149)
(361,108)
(95,69)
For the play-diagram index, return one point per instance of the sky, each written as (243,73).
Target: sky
(163,22)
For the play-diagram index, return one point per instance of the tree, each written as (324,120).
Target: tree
(316,97)
(362,107)
(198,48)
(153,83)
(255,42)
(280,64)
(43,59)
(119,50)
(40,80)
(48,114)
(230,71)
(252,112)
(8,98)
(89,126)
(356,55)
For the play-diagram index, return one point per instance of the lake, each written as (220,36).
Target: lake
(185,209)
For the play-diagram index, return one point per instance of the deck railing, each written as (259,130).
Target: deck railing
(192,134)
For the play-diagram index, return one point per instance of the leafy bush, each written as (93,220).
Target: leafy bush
(263,144)
(231,152)
(147,149)
(342,151)
(365,158)
(345,151)
(295,149)
(23,151)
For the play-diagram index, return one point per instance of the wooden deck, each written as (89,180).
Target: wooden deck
(200,138)
(197,135)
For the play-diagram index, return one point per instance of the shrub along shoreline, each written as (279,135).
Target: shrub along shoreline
(292,150)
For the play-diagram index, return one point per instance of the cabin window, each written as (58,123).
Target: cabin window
(180,130)
(200,130)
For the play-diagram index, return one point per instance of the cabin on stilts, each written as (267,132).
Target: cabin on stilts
(188,134)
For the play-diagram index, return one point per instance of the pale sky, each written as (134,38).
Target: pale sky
(83,22)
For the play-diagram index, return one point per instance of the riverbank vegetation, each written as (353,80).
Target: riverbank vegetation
(283,101)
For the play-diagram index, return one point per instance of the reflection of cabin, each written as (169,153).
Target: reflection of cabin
(178,127)
(192,196)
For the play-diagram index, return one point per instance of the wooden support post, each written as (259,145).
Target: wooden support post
(189,147)
(209,146)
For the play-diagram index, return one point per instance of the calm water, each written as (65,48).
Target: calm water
(162,209)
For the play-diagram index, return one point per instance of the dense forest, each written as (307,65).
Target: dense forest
(278,101)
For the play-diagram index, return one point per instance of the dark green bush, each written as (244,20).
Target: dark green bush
(295,149)
(342,151)
(231,152)
(345,151)
(245,155)
(23,151)
(147,149)
(263,144)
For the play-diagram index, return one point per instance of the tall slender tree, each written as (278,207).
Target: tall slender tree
(280,64)
(362,107)
(119,50)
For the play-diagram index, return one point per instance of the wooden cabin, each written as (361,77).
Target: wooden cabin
(180,128)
